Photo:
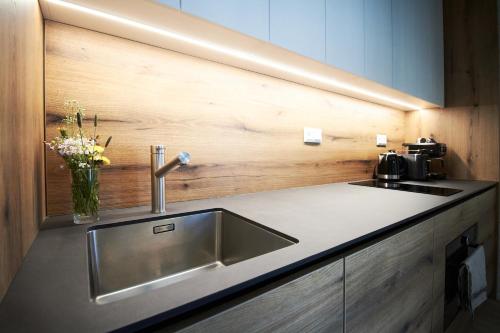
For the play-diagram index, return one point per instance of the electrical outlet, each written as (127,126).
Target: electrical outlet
(381,140)
(313,135)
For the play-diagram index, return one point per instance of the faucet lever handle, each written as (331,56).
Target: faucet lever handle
(184,157)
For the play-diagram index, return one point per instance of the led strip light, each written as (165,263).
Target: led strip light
(237,54)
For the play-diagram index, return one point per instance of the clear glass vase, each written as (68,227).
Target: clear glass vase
(85,194)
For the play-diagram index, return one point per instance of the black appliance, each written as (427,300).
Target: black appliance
(416,166)
(456,252)
(424,159)
(426,146)
(391,166)
(433,190)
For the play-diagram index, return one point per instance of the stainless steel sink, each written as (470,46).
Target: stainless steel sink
(130,258)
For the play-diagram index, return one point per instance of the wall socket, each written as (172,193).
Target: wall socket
(313,135)
(381,140)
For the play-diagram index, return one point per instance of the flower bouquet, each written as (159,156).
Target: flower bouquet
(83,156)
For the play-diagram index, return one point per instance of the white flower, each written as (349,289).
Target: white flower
(72,146)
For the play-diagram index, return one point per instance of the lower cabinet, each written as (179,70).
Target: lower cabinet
(398,284)
(388,285)
(450,224)
(310,303)
(391,285)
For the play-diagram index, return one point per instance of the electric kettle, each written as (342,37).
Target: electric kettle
(391,166)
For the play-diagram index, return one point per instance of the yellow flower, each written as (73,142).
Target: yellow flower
(98,149)
(105,160)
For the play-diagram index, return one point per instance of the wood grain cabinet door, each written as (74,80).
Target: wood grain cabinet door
(309,303)
(388,285)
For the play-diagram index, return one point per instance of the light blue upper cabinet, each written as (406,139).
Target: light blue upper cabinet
(249,17)
(397,43)
(345,35)
(433,22)
(172,3)
(378,41)
(418,61)
(299,25)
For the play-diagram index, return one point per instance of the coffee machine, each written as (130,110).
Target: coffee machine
(424,159)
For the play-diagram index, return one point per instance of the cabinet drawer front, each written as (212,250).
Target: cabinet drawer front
(311,303)
(388,286)
(452,222)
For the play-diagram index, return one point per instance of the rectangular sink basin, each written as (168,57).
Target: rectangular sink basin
(130,258)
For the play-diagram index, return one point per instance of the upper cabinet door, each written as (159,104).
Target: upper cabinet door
(248,17)
(299,25)
(433,30)
(418,59)
(345,35)
(172,3)
(378,41)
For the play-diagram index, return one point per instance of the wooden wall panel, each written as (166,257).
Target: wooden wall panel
(469,123)
(244,130)
(21,132)
(471,135)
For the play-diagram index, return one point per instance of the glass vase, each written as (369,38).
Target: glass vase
(85,194)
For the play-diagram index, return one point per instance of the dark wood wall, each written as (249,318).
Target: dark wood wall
(469,124)
(21,132)
(244,130)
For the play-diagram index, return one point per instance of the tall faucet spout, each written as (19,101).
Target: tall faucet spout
(158,171)
(181,159)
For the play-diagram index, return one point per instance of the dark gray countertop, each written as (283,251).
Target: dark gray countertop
(51,291)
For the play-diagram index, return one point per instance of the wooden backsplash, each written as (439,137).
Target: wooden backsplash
(244,130)
(21,133)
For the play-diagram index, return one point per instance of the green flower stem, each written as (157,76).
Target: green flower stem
(85,191)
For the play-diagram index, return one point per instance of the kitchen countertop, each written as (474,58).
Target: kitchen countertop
(51,292)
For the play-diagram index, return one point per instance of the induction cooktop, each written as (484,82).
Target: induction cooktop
(432,190)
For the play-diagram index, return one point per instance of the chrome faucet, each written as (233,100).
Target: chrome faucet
(158,171)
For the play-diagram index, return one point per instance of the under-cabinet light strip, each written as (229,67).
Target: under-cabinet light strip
(237,54)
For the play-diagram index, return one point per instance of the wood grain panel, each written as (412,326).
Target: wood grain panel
(311,303)
(471,52)
(469,124)
(21,132)
(244,130)
(471,134)
(449,225)
(388,285)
